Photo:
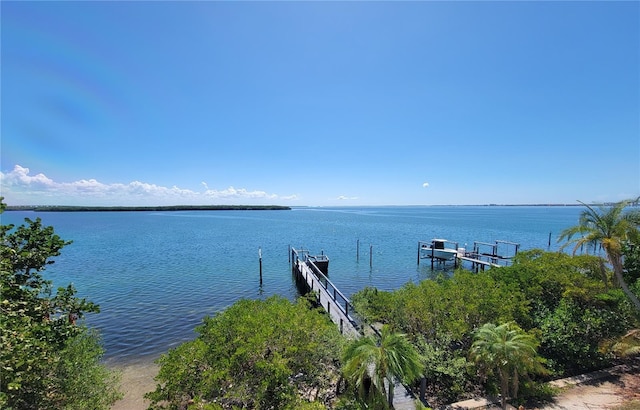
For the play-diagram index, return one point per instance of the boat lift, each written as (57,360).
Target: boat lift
(496,254)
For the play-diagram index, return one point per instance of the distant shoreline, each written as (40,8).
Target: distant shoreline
(170,208)
(64,208)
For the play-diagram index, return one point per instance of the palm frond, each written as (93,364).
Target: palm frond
(629,344)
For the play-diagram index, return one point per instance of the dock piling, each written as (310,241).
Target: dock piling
(260,262)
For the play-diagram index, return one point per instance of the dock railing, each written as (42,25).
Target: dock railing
(484,254)
(494,256)
(303,264)
(337,297)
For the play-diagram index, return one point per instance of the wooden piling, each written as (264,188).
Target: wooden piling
(432,255)
(260,261)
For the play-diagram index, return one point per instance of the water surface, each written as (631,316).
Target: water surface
(155,275)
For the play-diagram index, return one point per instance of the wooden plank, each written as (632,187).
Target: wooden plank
(478,261)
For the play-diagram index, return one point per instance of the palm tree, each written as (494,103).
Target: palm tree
(609,227)
(369,363)
(509,351)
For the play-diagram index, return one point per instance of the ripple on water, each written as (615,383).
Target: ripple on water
(156,275)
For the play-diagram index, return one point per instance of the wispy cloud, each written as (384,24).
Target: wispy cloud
(19,187)
(346,198)
(425,185)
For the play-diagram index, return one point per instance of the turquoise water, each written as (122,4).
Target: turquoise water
(155,275)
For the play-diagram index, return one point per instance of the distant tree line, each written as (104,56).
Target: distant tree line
(69,208)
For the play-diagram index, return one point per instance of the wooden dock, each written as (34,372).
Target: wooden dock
(339,308)
(310,275)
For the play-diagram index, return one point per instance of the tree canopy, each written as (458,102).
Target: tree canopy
(50,360)
(611,227)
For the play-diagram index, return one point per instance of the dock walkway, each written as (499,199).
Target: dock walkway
(341,311)
(330,298)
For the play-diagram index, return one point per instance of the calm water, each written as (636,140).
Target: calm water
(155,275)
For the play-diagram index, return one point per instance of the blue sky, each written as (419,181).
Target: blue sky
(319,103)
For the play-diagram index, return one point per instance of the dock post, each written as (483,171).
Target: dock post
(358,250)
(418,253)
(370,256)
(260,261)
(432,255)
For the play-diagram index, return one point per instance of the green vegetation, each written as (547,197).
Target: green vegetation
(508,351)
(505,330)
(48,359)
(549,308)
(368,363)
(629,344)
(66,208)
(612,228)
(269,354)
(559,299)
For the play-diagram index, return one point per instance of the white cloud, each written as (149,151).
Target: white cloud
(20,177)
(232,192)
(21,188)
(346,198)
(425,185)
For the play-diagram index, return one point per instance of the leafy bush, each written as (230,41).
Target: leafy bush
(48,360)
(255,354)
(373,304)
(573,332)
(447,370)
(568,302)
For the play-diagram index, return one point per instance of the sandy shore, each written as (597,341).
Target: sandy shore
(137,379)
